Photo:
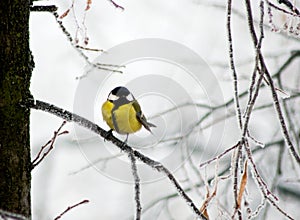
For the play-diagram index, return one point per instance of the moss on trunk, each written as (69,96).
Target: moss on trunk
(16,66)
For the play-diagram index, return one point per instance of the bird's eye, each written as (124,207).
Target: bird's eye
(112,97)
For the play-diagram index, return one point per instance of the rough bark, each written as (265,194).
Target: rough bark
(16,66)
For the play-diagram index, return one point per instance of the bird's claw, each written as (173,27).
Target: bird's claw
(108,134)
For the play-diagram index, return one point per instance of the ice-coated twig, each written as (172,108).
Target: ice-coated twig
(235,167)
(5,215)
(71,117)
(43,8)
(262,185)
(79,51)
(137,187)
(232,65)
(281,9)
(271,85)
(219,156)
(288,4)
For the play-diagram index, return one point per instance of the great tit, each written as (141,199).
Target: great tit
(122,112)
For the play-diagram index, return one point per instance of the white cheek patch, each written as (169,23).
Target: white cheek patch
(112,97)
(130,97)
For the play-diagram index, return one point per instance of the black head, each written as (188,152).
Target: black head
(120,93)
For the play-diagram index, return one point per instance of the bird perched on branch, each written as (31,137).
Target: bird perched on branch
(122,112)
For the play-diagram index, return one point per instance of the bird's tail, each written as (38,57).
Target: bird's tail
(148,125)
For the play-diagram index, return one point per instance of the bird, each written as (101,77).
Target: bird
(123,114)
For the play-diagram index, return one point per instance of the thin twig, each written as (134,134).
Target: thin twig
(232,66)
(290,121)
(256,67)
(262,185)
(43,8)
(282,10)
(70,208)
(92,163)
(221,173)
(235,167)
(272,87)
(89,49)
(288,4)
(116,5)
(77,48)
(219,156)
(39,158)
(136,187)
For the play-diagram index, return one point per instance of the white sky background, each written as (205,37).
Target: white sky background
(57,64)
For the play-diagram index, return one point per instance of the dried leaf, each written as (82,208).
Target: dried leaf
(64,14)
(203,208)
(243,184)
(88,4)
(205,213)
(208,198)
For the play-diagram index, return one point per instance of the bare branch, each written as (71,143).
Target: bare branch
(136,186)
(116,5)
(77,48)
(232,66)
(68,116)
(289,5)
(262,185)
(235,167)
(43,8)
(219,156)
(271,85)
(89,49)
(221,173)
(70,208)
(281,9)
(38,159)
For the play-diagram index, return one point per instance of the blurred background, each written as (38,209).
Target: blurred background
(181,91)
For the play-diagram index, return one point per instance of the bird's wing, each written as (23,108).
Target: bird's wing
(141,117)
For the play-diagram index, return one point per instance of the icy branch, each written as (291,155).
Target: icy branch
(232,65)
(11,216)
(137,187)
(71,117)
(271,85)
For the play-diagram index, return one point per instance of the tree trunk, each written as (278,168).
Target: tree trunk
(16,66)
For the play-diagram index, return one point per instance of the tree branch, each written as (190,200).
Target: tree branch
(38,159)
(232,66)
(271,85)
(108,67)
(136,187)
(71,117)
(116,5)
(288,4)
(70,208)
(43,8)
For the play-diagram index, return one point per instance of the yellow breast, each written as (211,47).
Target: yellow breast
(123,119)
(106,113)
